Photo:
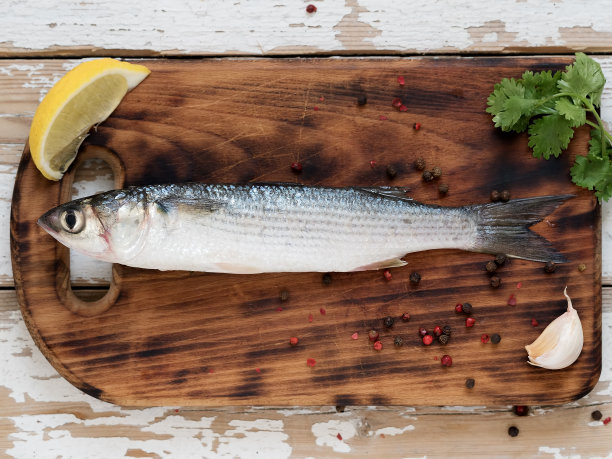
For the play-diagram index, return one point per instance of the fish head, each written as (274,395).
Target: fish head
(109,226)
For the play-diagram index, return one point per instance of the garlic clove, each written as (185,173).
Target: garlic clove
(560,344)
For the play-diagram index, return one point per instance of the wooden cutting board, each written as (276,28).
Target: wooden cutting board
(184,338)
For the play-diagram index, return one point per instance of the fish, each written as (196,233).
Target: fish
(275,227)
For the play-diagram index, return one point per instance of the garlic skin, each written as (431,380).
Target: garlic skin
(560,344)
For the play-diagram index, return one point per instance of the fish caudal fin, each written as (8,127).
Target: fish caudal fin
(504,228)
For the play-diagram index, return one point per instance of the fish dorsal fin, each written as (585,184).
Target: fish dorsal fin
(200,205)
(391,192)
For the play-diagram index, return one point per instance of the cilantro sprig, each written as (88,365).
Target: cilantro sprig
(549,106)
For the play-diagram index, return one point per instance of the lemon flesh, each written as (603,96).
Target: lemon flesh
(83,98)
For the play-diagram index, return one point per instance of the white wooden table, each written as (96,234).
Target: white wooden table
(41,415)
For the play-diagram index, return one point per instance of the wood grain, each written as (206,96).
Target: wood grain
(199,339)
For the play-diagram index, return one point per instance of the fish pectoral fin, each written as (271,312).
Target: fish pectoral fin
(391,263)
(168,204)
(392,192)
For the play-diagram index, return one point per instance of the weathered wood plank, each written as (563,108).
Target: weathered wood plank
(40,411)
(71,28)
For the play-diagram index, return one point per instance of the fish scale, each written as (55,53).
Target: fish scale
(257,228)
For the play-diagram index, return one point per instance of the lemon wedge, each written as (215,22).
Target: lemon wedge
(82,98)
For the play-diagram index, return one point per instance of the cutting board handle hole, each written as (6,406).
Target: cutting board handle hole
(95,170)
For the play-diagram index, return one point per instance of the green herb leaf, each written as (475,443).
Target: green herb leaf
(550,135)
(550,105)
(593,173)
(584,78)
(575,114)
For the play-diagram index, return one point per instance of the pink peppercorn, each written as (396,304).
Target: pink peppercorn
(607,421)
(387,274)
(446,360)
(378,346)
(427,340)
(470,321)
(484,338)
(311,9)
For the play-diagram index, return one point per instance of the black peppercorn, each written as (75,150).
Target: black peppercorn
(398,341)
(467,308)
(495,338)
(500,259)
(550,267)
(362,99)
(284,295)
(443,188)
(596,415)
(436,172)
(415,277)
(427,176)
(447,330)
(504,196)
(327,278)
(495,196)
(491,266)
(388,321)
(391,172)
(419,164)
(513,431)
(340,408)
(469,383)
(495,282)
(443,339)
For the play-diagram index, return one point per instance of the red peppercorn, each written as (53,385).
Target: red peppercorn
(396,102)
(311,9)
(437,330)
(458,308)
(387,274)
(422,331)
(403,108)
(373,335)
(382,118)
(355,335)
(470,321)
(315,108)
(417,126)
(310,317)
(607,421)
(534,323)
(484,338)
(512,300)
(446,360)
(373,164)
(311,362)
(293,341)
(405,317)
(520,410)
(339,437)
(257,370)
(378,346)
(296,167)
(427,340)
(322,311)
(401,80)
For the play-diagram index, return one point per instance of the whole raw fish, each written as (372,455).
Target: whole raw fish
(258,228)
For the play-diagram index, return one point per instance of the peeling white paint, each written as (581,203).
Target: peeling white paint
(556,452)
(253,27)
(326,434)
(391,431)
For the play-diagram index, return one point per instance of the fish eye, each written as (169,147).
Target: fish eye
(72,220)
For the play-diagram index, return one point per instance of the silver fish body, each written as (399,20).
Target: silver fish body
(258,228)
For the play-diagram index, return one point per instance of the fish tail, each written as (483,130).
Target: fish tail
(504,228)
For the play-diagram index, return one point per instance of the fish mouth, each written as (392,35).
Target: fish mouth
(49,222)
